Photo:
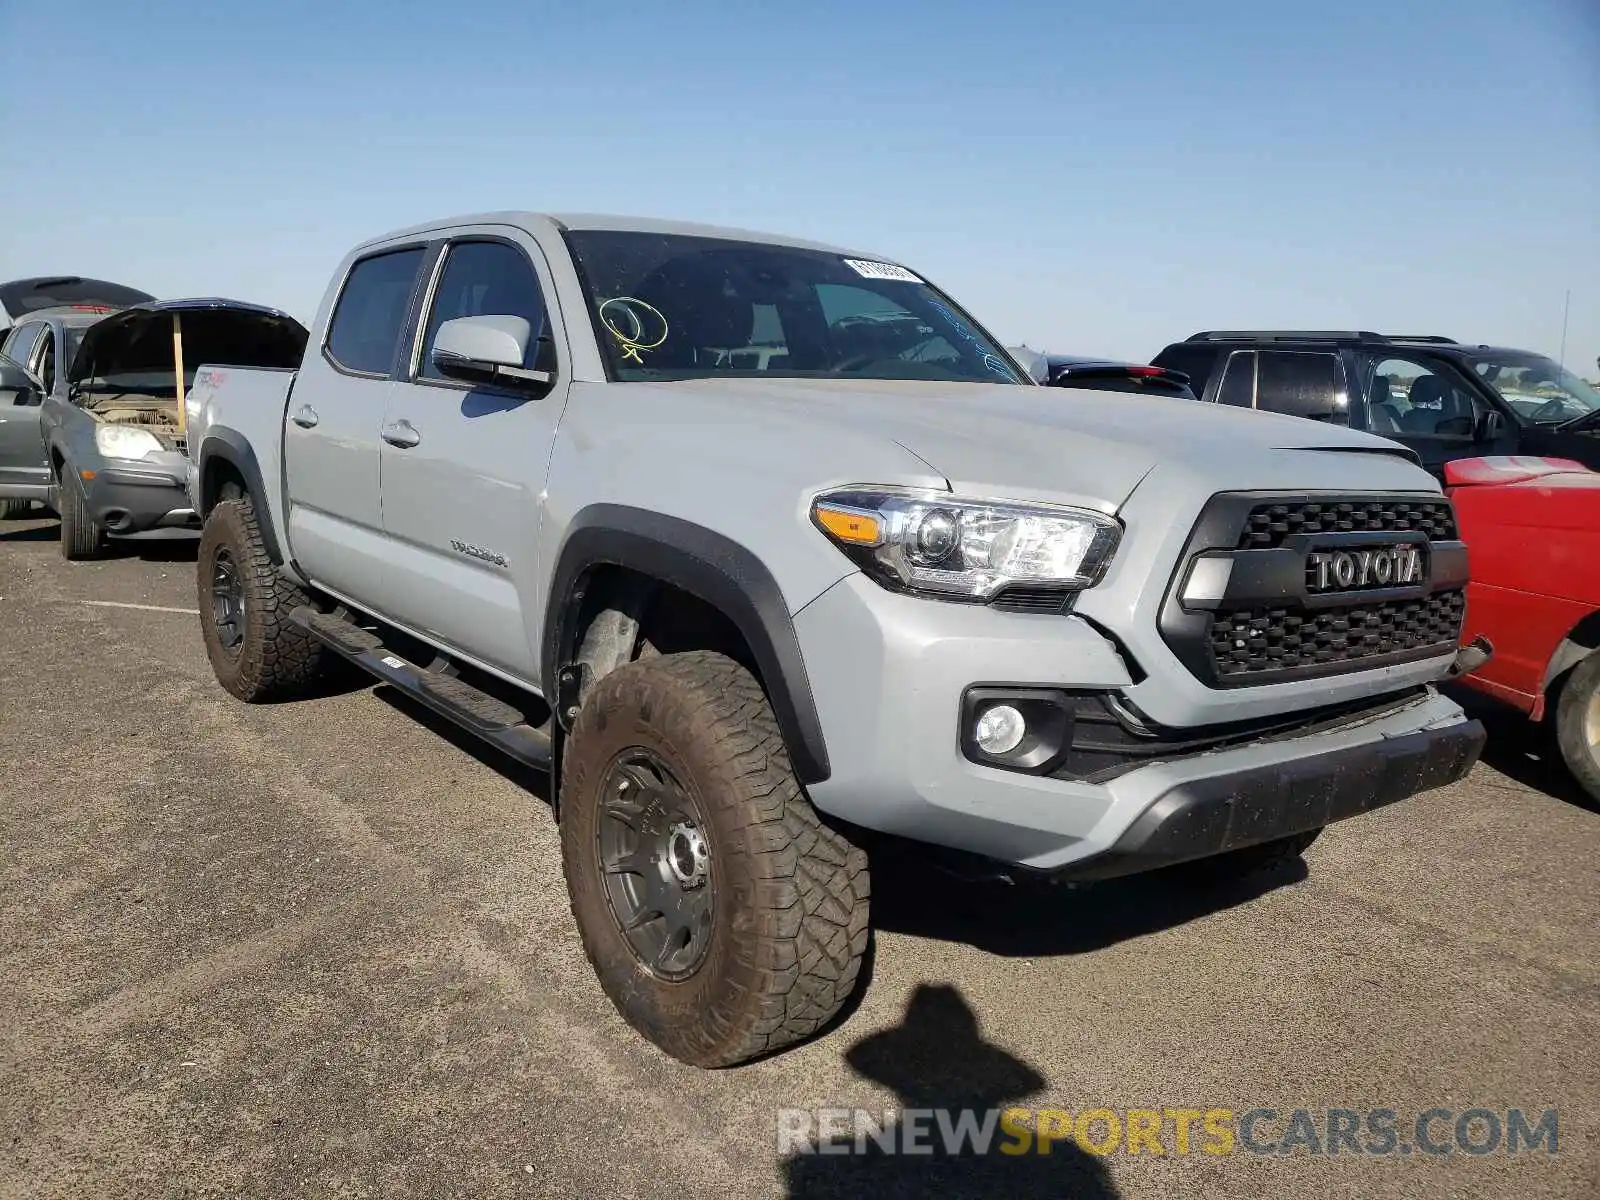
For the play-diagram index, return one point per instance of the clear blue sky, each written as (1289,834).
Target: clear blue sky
(1090,177)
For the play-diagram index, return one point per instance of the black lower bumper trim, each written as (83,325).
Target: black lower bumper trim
(121,477)
(1212,816)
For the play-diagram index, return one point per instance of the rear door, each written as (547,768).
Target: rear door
(463,465)
(22,458)
(336,409)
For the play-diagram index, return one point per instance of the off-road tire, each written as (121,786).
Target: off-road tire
(1251,860)
(1572,721)
(13,510)
(277,659)
(82,537)
(789,914)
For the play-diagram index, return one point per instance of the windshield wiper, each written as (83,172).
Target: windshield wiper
(1579,423)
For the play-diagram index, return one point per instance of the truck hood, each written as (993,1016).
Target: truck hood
(1061,444)
(140,339)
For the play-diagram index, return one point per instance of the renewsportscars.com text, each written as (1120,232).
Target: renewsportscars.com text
(1372,1132)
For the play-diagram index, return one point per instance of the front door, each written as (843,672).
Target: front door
(336,410)
(463,466)
(23,470)
(1423,402)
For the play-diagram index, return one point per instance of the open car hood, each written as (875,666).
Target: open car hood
(224,332)
(22,296)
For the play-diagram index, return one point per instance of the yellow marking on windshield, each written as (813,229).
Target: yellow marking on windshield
(632,341)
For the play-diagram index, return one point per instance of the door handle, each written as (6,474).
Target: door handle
(402,434)
(305,416)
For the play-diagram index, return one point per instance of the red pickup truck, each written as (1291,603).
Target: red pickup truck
(1532,527)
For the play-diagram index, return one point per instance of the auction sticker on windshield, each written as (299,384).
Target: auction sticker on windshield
(877,270)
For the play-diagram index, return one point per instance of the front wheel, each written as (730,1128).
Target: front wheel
(724,919)
(13,510)
(1578,724)
(82,537)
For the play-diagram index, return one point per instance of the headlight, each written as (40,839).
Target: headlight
(124,441)
(933,542)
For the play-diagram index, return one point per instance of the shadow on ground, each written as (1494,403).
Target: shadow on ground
(1522,750)
(159,550)
(936,1061)
(30,533)
(1036,920)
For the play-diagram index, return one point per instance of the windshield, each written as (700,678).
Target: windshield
(1538,390)
(673,306)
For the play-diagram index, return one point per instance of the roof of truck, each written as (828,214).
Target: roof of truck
(561,221)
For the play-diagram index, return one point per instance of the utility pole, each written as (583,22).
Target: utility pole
(1566,307)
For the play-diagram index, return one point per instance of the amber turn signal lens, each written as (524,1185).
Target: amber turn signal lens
(850,525)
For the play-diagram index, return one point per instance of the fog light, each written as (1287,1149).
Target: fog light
(999,730)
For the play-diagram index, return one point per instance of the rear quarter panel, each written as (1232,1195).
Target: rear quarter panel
(228,404)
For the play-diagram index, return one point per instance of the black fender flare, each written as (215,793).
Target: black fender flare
(226,445)
(711,567)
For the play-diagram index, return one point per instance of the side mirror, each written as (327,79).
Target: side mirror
(487,349)
(1491,427)
(1031,361)
(16,380)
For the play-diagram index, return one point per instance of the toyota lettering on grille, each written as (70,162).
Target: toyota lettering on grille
(1355,570)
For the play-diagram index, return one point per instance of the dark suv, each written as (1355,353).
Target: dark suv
(1443,399)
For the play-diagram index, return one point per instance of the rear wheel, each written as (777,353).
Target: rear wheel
(1578,724)
(256,651)
(723,918)
(82,537)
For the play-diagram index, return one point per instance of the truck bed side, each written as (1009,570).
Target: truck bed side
(235,418)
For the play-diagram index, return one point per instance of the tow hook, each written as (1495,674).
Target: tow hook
(1470,657)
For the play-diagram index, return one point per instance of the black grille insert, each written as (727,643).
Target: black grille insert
(1269,524)
(1251,641)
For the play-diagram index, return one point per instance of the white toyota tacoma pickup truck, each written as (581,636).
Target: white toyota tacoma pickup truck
(763,547)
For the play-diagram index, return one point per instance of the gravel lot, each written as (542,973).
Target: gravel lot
(323,949)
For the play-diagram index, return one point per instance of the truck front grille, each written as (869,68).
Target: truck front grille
(1269,525)
(1246,641)
(1281,614)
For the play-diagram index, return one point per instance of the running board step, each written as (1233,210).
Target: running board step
(342,635)
(493,720)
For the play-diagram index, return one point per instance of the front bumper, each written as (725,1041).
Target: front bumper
(1218,813)
(141,501)
(888,673)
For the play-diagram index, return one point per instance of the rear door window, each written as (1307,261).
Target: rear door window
(365,330)
(1303,385)
(1239,380)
